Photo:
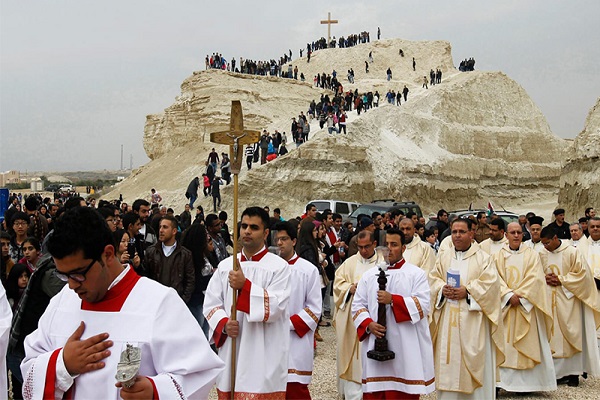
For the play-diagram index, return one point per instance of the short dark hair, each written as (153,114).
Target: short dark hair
(277,210)
(499,222)
(257,212)
(394,212)
(288,228)
(34,242)
(366,234)
(465,220)
(4,235)
(480,214)
(80,229)
(375,214)
(223,215)
(587,211)
(31,203)
(210,219)
(106,212)
(325,214)
(337,216)
(138,203)
(441,212)
(129,218)
(171,218)
(20,215)
(73,202)
(548,233)
(395,231)
(309,206)
(410,214)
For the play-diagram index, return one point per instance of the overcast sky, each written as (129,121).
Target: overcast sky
(78,77)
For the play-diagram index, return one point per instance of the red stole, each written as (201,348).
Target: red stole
(398,265)
(115,298)
(257,257)
(332,239)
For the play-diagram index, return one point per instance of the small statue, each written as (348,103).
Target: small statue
(381,352)
(129,365)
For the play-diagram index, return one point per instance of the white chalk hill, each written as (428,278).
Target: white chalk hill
(474,137)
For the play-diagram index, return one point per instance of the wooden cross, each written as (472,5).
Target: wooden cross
(329,21)
(236,137)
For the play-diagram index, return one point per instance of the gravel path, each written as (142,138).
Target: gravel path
(323,385)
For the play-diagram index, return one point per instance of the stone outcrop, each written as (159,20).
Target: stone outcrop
(476,137)
(580,179)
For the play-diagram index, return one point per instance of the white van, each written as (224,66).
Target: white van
(344,208)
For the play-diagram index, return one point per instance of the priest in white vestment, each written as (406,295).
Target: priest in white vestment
(590,249)
(527,317)
(347,276)
(417,252)
(262,325)
(407,298)
(305,309)
(497,239)
(535,229)
(575,308)
(466,326)
(105,308)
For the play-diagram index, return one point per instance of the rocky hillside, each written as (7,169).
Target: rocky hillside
(580,179)
(475,137)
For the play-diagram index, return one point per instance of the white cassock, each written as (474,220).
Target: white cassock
(590,250)
(305,310)
(5,322)
(538,246)
(493,247)
(420,254)
(137,311)
(262,346)
(411,371)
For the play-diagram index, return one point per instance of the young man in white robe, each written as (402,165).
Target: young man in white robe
(262,324)
(527,317)
(347,277)
(417,252)
(105,308)
(497,239)
(465,308)
(304,308)
(411,372)
(575,309)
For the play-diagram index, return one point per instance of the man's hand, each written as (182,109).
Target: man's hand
(142,389)
(81,356)
(232,328)
(353,288)
(376,329)
(384,297)
(514,300)
(237,279)
(552,279)
(453,293)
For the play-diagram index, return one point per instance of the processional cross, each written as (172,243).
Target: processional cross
(329,21)
(236,137)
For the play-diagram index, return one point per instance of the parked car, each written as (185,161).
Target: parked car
(66,188)
(344,208)
(383,206)
(53,187)
(507,216)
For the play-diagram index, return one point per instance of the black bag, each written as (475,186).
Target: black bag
(187,195)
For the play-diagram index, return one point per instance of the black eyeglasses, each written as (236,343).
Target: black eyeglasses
(76,276)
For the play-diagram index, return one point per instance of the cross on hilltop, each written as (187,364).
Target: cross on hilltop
(329,21)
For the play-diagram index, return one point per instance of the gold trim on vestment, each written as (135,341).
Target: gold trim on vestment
(358,312)
(418,304)
(211,313)
(267,307)
(296,372)
(311,314)
(250,396)
(401,380)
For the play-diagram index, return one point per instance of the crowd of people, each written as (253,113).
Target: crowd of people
(467,65)
(528,290)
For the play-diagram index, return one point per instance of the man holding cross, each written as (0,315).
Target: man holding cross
(262,322)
